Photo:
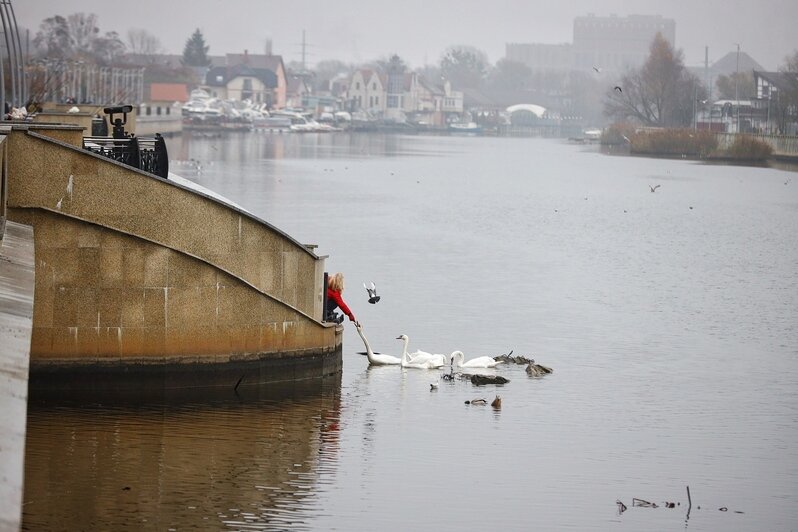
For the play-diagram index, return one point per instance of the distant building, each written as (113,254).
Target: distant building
(297,90)
(606,43)
(539,56)
(367,91)
(777,95)
(168,92)
(258,78)
(614,43)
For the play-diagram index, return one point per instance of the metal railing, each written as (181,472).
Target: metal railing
(145,153)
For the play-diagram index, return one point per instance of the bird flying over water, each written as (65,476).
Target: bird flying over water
(654,188)
(597,69)
(372,290)
(617,88)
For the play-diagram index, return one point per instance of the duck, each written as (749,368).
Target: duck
(374,358)
(406,362)
(458,359)
(496,403)
(479,401)
(537,370)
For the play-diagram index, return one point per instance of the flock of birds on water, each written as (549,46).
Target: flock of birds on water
(424,360)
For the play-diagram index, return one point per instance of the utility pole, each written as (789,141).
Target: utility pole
(736,85)
(304,69)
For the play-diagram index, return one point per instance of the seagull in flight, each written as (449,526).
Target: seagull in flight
(617,88)
(654,188)
(597,69)
(372,290)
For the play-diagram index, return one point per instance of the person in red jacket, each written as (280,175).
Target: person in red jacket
(335,287)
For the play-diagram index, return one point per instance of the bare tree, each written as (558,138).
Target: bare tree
(108,48)
(736,83)
(83,30)
(143,43)
(660,93)
(53,38)
(784,107)
(511,75)
(464,66)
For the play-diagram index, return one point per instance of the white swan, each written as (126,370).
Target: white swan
(419,356)
(376,359)
(458,359)
(416,364)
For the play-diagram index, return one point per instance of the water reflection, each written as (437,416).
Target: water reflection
(249,460)
(246,147)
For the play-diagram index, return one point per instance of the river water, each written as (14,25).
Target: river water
(670,320)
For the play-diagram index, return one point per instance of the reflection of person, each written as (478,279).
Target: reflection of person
(335,287)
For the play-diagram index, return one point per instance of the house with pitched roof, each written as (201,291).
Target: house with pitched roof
(296,91)
(777,95)
(367,92)
(259,78)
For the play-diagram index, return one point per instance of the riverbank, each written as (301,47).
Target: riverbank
(704,145)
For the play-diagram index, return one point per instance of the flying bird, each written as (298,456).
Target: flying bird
(597,69)
(373,297)
(617,88)
(654,188)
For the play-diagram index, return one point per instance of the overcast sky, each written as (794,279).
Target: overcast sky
(420,30)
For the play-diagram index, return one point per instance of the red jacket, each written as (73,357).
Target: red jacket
(336,296)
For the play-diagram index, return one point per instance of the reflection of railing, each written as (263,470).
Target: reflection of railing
(145,153)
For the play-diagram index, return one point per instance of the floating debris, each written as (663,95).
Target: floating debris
(481,380)
(510,359)
(644,504)
(537,370)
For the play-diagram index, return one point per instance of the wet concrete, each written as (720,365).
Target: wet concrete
(16,317)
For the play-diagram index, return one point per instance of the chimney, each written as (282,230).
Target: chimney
(246,57)
(268,47)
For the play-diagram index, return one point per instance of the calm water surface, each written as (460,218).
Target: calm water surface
(670,319)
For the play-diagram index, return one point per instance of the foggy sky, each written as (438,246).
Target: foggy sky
(420,30)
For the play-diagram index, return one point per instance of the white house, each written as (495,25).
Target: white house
(367,92)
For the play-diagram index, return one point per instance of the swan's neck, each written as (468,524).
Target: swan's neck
(457,358)
(405,358)
(369,352)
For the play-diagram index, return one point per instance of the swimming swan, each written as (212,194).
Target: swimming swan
(458,359)
(416,364)
(376,359)
(419,356)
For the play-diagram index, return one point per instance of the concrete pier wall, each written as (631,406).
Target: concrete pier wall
(135,272)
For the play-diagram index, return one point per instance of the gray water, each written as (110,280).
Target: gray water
(669,318)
